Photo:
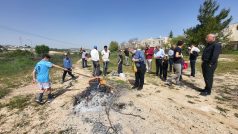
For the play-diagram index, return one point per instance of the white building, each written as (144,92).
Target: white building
(233,29)
(153,42)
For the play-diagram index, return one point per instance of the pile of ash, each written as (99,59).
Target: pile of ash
(95,97)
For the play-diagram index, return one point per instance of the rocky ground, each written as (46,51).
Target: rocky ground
(158,108)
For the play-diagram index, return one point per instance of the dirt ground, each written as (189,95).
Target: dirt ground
(157,108)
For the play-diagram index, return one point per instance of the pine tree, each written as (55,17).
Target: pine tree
(210,22)
(171,35)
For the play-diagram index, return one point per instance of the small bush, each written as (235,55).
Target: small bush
(42,49)
(19,102)
(4,92)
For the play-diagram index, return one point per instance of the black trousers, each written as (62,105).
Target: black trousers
(119,69)
(192,64)
(96,68)
(140,76)
(84,63)
(69,72)
(208,74)
(165,71)
(105,67)
(159,67)
(171,62)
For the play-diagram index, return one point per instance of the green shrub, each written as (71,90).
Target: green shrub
(42,49)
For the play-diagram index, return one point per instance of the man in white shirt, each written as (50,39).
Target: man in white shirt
(159,55)
(95,58)
(105,58)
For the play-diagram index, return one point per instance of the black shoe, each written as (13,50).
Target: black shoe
(50,98)
(134,87)
(39,98)
(205,93)
(139,88)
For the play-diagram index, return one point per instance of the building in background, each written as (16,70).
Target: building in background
(233,29)
(153,42)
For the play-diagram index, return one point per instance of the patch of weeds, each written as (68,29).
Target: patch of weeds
(235,106)
(236,115)
(189,96)
(158,91)
(66,131)
(191,102)
(223,98)
(170,99)
(120,82)
(22,124)
(19,102)
(1,105)
(138,95)
(224,110)
(4,92)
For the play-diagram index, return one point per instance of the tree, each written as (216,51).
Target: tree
(42,49)
(171,35)
(113,46)
(209,22)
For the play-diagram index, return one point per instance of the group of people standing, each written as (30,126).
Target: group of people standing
(142,62)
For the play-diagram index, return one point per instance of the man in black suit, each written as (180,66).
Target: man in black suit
(209,62)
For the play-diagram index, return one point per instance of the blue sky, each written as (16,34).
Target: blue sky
(76,23)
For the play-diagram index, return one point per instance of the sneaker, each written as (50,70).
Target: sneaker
(39,101)
(39,98)
(50,98)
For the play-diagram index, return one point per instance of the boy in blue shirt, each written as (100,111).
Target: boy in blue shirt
(42,76)
(68,65)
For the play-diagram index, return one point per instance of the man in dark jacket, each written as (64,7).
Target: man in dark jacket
(209,62)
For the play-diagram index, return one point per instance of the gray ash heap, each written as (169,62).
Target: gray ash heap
(94,104)
(95,97)
(98,105)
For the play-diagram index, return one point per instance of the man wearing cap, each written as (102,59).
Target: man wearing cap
(95,59)
(67,62)
(41,74)
(105,58)
(209,62)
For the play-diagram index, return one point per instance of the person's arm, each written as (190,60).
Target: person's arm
(34,76)
(59,67)
(97,56)
(215,55)
(163,54)
(177,55)
(70,60)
